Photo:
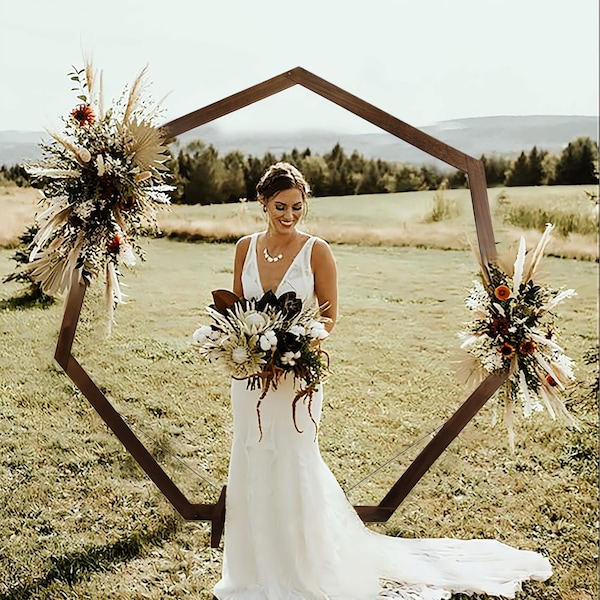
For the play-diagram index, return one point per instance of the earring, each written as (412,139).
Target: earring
(264,208)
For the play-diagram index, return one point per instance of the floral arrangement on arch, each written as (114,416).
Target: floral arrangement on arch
(264,340)
(513,328)
(103,179)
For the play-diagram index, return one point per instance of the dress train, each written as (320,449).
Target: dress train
(291,533)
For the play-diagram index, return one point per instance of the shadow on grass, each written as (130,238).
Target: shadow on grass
(187,236)
(27,300)
(73,566)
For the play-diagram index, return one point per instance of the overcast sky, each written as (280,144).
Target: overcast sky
(424,61)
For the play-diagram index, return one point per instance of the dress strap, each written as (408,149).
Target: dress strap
(254,240)
(251,285)
(306,251)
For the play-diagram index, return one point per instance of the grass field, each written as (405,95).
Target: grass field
(81,520)
(376,220)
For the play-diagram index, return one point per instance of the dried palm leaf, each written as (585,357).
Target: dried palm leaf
(146,144)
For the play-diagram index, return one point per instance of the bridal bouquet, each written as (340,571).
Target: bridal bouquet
(512,328)
(264,340)
(103,178)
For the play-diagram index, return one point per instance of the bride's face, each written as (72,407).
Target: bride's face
(284,210)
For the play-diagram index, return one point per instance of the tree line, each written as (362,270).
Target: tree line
(202,176)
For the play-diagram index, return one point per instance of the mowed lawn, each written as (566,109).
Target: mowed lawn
(81,520)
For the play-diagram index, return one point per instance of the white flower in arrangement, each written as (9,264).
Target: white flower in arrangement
(512,330)
(478,299)
(492,362)
(264,340)
(84,209)
(317,330)
(268,341)
(290,358)
(239,355)
(202,334)
(255,320)
(297,330)
(158,193)
(499,309)
(104,177)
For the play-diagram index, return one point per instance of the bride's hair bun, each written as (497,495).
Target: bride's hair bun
(281,176)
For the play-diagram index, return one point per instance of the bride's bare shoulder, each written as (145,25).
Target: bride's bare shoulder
(322,260)
(241,246)
(321,250)
(244,241)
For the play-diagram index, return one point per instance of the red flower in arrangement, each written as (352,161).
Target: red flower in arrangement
(527,347)
(502,292)
(499,326)
(115,244)
(83,114)
(551,381)
(506,349)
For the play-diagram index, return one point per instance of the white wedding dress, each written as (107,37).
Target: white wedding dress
(290,532)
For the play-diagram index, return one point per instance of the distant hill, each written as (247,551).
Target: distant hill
(17,146)
(491,135)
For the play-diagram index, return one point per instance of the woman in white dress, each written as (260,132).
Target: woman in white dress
(290,532)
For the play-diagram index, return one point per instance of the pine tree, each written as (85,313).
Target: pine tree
(496,168)
(578,163)
(535,165)
(519,171)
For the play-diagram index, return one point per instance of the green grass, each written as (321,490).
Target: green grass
(81,520)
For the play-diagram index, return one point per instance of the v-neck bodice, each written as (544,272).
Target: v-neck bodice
(298,278)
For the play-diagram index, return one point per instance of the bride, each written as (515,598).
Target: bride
(290,533)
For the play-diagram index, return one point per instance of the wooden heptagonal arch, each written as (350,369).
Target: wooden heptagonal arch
(485,236)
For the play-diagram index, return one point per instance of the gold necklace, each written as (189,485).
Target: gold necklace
(269,258)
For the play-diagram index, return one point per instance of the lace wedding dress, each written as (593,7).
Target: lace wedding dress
(290,532)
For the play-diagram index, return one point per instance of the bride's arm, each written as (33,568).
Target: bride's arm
(326,287)
(241,249)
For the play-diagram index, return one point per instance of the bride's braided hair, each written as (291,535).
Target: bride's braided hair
(281,176)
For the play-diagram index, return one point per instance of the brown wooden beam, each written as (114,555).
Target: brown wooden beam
(227,105)
(449,431)
(331,92)
(481,211)
(373,514)
(436,148)
(382,119)
(68,327)
(210,512)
